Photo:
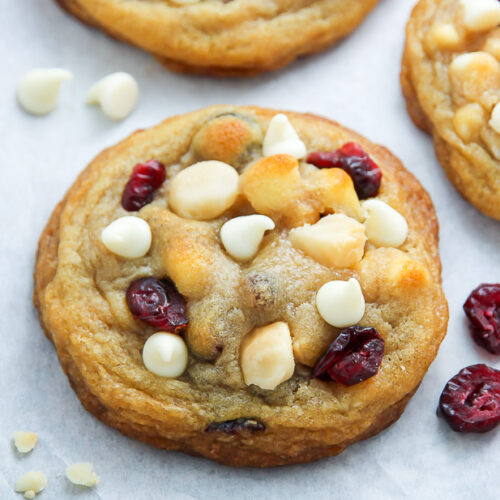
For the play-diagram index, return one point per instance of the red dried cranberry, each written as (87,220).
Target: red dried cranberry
(483,310)
(236,426)
(355,355)
(146,178)
(158,303)
(470,401)
(364,172)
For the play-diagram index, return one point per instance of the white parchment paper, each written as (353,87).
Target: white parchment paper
(356,83)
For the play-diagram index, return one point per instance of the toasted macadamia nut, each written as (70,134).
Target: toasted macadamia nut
(495,119)
(204,190)
(444,36)
(334,241)
(384,226)
(481,15)
(25,441)
(128,237)
(341,303)
(31,483)
(82,474)
(266,356)
(165,354)
(468,121)
(476,76)
(117,95)
(37,91)
(242,236)
(281,138)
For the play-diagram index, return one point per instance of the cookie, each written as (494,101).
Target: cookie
(219,37)
(254,287)
(451,82)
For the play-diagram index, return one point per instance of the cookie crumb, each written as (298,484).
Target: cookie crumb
(25,441)
(81,473)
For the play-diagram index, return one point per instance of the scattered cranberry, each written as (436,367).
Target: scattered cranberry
(355,355)
(236,426)
(470,401)
(351,157)
(482,307)
(158,303)
(146,178)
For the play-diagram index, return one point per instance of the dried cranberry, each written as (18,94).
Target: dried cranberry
(236,426)
(146,178)
(355,355)
(482,307)
(364,172)
(470,401)
(158,303)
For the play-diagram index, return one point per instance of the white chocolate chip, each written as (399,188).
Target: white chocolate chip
(165,354)
(128,237)
(38,89)
(444,36)
(495,119)
(82,474)
(281,138)
(267,356)
(25,441)
(468,121)
(204,190)
(117,95)
(481,15)
(31,483)
(384,226)
(334,241)
(341,303)
(242,236)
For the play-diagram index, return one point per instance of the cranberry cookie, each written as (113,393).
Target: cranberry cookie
(224,37)
(255,287)
(451,81)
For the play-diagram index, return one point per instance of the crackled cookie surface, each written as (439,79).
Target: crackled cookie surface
(255,287)
(451,81)
(224,37)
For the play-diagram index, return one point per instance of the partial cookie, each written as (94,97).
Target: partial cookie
(451,82)
(290,308)
(219,37)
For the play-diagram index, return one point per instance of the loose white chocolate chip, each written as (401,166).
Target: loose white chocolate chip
(384,226)
(495,119)
(481,15)
(242,236)
(165,354)
(128,237)
(31,483)
(204,190)
(468,121)
(117,95)
(281,138)
(334,241)
(38,89)
(266,356)
(444,36)
(341,303)
(82,474)
(25,441)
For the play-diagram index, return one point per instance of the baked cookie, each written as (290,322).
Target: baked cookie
(215,285)
(451,82)
(224,37)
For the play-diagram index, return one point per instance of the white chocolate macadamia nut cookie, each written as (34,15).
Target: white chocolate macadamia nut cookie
(451,82)
(210,294)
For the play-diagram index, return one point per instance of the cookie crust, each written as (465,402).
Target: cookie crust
(99,345)
(236,38)
(473,166)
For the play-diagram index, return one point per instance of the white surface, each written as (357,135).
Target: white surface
(356,83)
